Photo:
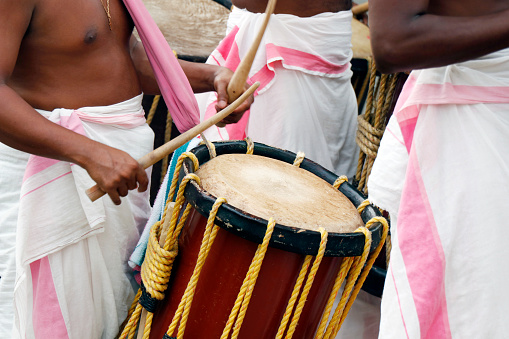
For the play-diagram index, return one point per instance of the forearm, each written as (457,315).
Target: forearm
(409,41)
(21,127)
(200,76)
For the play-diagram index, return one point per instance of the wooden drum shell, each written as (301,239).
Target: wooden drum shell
(220,281)
(233,249)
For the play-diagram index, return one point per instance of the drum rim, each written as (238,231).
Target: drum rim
(284,237)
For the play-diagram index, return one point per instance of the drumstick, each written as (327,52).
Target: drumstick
(151,158)
(360,9)
(239,78)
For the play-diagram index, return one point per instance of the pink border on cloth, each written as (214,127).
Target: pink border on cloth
(173,83)
(47,317)
(423,255)
(418,237)
(36,164)
(286,57)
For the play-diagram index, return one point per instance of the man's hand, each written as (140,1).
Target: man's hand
(116,172)
(206,77)
(222,77)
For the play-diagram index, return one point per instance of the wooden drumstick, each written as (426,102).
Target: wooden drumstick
(151,158)
(360,9)
(239,78)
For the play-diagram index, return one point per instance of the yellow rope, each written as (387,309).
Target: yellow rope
(132,323)
(248,285)
(362,266)
(174,182)
(153,108)
(298,159)
(339,181)
(250,145)
(390,94)
(184,306)
(174,229)
(295,293)
(309,283)
(355,271)
(388,248)
(368,265)
(253,277)
(133,305)
(346,264)
(156,268)
(360,164)
(362,206)
(210,146)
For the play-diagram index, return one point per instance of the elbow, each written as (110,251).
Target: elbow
(393,52)
(389,56)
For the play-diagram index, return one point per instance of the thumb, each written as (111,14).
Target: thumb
(222,98)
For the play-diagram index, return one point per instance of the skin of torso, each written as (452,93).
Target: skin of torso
(302,8)
(69,58)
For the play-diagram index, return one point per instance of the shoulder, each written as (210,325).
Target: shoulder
(14,11)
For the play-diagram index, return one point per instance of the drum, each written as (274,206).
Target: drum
(265,243)
(193,28)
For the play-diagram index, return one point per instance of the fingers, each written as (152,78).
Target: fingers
(121,188)
(237,114)
(142,180)
(114,197)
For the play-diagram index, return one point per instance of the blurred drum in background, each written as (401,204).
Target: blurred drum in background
(361,47)
(193,28)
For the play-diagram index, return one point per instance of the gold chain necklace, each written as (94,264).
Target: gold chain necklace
(107,10)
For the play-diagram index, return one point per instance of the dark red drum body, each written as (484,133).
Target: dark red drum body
(233,250)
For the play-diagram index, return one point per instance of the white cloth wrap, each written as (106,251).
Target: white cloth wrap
(442,172)
(87,244)
(306,101)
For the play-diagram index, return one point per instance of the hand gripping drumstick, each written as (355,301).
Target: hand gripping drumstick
(151,158)
(239,78)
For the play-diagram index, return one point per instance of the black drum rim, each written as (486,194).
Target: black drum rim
(284,237)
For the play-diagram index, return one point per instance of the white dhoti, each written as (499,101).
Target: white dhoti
(305,101)
(72,278)
(442,172)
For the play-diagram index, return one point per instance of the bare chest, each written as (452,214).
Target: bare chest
(77,25)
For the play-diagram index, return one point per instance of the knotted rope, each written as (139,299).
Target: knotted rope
(159,258)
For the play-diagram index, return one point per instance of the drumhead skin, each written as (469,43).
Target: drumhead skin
(286,237)
(265,187)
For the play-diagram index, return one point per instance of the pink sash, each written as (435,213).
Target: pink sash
(175,88)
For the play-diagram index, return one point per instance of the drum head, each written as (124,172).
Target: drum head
(285,237)
(266,188)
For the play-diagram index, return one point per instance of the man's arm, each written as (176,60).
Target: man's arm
(202,77)
(21,127)
(406,36)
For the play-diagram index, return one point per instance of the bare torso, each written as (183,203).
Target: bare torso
(69,60)
(302,8)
